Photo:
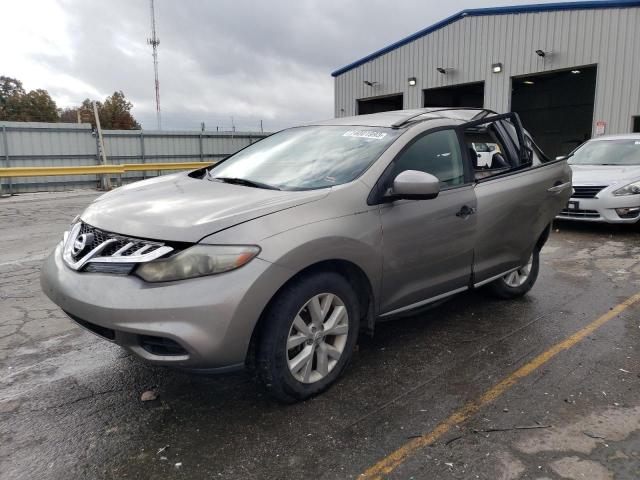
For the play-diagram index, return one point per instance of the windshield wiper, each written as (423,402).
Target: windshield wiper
(245,182)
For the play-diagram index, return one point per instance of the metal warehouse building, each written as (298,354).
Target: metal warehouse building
(571,70)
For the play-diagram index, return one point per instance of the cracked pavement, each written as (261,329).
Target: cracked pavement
(70,408)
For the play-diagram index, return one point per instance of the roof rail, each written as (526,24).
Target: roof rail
(482,112)
(406,120)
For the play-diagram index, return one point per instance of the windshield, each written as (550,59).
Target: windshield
(306,158)
(607,152)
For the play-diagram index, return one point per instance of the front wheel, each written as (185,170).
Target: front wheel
(307,336)
(518,282)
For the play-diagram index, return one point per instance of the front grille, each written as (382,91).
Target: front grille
(110,268)
(118,246)
(87,244)
(586,191)
(580,213)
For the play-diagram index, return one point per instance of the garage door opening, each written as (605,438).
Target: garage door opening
(556,108)
(380,104)
(467,95)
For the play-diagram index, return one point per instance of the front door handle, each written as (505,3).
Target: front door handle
(465,211)
(558,187)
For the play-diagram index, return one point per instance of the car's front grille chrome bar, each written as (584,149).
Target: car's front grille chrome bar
(579,213)
(85,244)
(587,191)
(121,250)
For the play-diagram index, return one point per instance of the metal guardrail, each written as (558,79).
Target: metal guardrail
(50,145)
(140,167)
(12,172)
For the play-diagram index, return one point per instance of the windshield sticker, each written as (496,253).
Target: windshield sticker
(365,134)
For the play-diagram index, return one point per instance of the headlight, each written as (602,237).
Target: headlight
(631,189)
(197,261)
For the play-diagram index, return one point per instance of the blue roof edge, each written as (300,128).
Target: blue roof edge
(476,12)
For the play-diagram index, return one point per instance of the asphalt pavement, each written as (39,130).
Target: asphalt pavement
(473,388)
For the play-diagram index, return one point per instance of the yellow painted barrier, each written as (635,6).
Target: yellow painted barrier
(141,167)
(51,171)
(98,169)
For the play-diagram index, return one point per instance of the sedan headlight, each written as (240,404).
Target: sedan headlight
(631,189)
(197,261)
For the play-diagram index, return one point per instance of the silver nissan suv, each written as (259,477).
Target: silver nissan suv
(278,257)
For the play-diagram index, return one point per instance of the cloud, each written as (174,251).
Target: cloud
(243,59)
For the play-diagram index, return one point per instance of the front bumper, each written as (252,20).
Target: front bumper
(207,321)
(601,209)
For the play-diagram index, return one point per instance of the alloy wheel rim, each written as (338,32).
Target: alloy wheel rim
(317,338)
(519,276)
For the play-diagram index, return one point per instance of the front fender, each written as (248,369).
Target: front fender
(354,238)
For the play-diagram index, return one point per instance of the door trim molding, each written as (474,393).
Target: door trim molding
(495,277)
(425,302)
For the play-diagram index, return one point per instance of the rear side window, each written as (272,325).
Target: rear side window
(437,153)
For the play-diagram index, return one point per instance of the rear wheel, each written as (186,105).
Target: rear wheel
(517,283)
(307,336)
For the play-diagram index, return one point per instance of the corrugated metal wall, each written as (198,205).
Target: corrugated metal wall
(24,144)
(607,37)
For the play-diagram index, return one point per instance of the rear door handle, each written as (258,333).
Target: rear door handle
(558,187)
(465,211)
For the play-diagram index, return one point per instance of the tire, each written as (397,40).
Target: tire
(287,373)
(517,284)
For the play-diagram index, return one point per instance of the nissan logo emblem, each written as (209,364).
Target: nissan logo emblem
(81,242)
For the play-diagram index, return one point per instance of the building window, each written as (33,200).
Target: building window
(636,124)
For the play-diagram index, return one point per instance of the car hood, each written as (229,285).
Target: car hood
(604,174)
(180,208)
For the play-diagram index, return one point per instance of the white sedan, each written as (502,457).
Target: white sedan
(485,153)
(606,180)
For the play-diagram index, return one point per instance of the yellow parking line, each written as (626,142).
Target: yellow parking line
(396,458)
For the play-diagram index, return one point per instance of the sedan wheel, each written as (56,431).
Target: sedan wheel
(317,338)
(518,277)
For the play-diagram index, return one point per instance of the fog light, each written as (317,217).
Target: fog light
(628,212)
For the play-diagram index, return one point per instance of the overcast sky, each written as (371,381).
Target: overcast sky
(252,60)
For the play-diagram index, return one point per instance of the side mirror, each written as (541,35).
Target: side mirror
(415,185)
(478,154)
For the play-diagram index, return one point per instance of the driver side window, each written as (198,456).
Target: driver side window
(437,153)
